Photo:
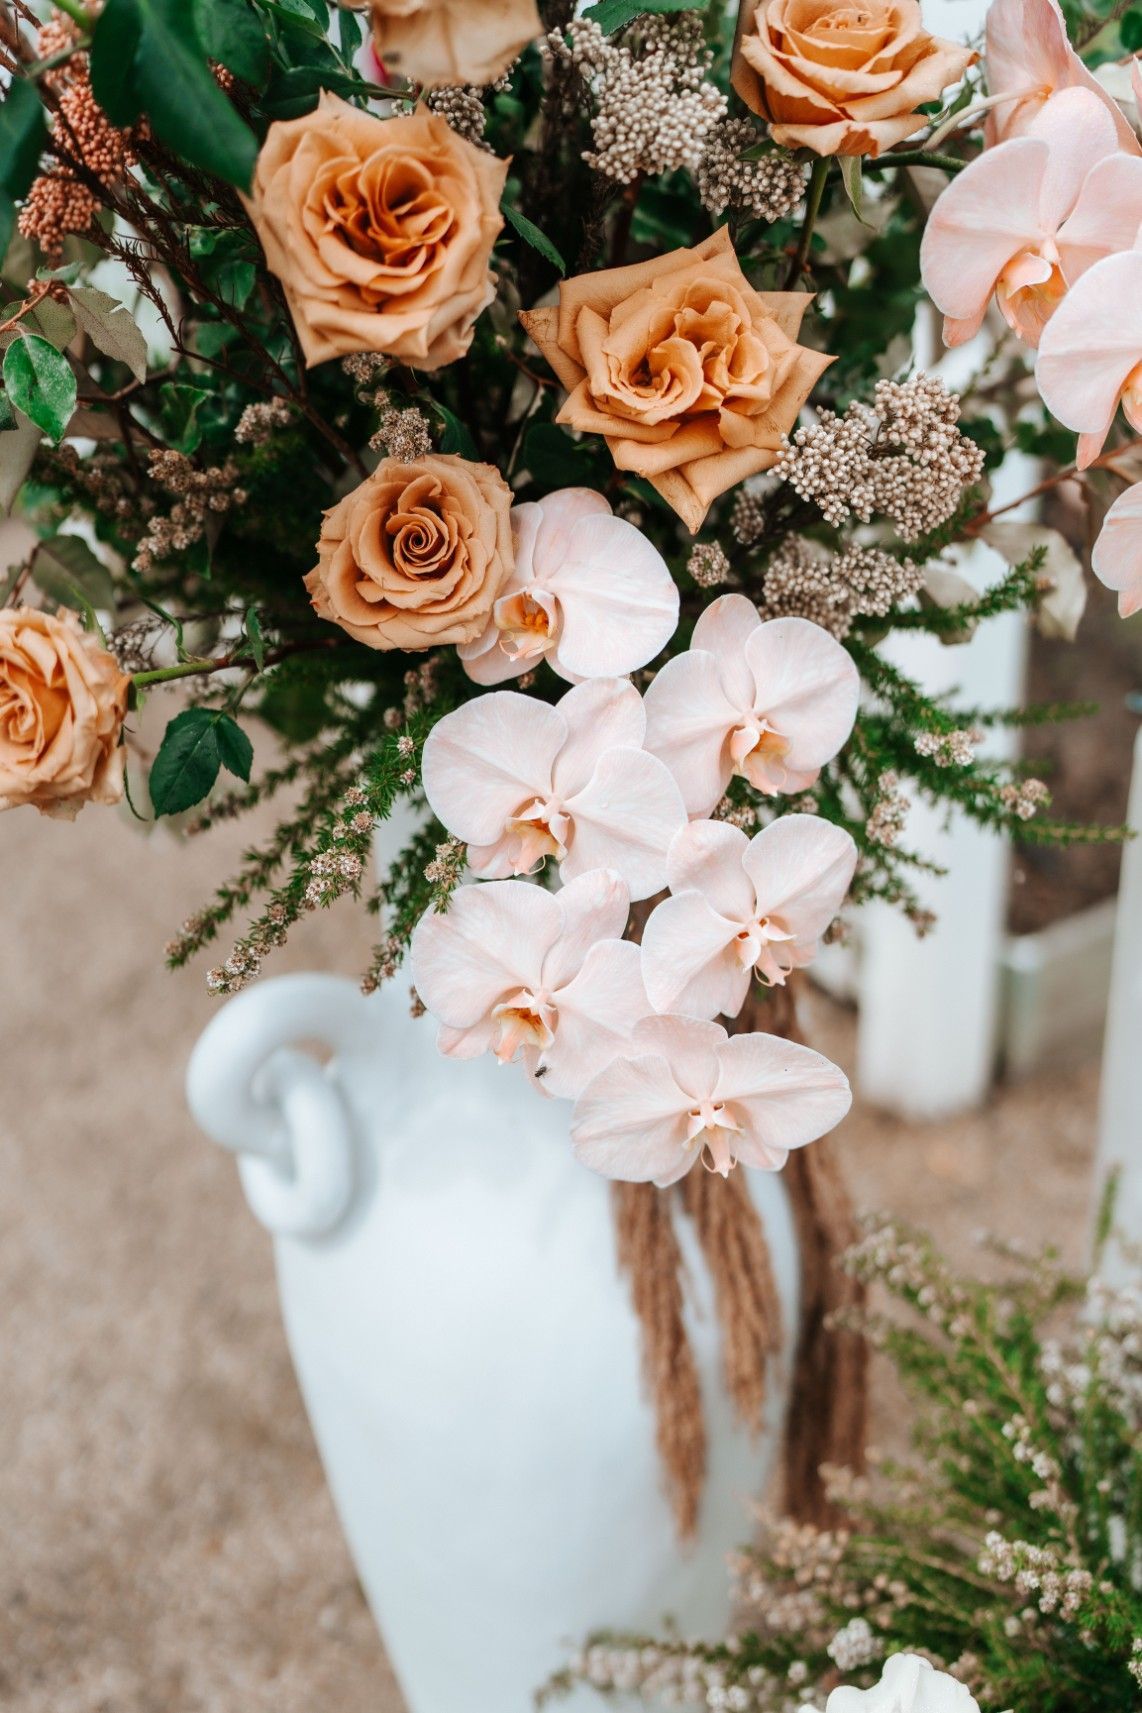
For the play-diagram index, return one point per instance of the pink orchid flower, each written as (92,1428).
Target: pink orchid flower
(589,593)
(742,906)
(1090,355)
(1026,219)
(771,701)
(1029,60)
(526,974)
(684,1090)
(520,781)
(1117,557)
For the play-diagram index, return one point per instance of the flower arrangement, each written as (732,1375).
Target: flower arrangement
(1005,1553)
(509,412)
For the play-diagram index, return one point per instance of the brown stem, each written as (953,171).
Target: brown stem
(1105,461)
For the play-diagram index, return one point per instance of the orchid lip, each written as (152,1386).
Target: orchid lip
(524,1019)
(537,830)
(709,1127)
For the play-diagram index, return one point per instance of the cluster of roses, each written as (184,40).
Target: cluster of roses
(1048,221)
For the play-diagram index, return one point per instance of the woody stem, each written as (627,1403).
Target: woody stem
(812,208)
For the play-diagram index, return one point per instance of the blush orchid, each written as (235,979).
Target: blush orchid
(742,906)
(1029,61)
(684,1090)
(772,701)
(519,781)
(1026,219)
(1090,356)
(526,974)
(589,593)
(1117,557)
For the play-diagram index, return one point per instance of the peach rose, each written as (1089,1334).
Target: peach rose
(441,41)
(380,231)
(63,701)
(691,375)
(416,555)
(841,79)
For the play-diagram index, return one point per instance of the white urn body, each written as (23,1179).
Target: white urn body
(466,1345)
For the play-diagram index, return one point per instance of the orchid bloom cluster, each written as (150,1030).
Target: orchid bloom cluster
(1047,222)
(615,792)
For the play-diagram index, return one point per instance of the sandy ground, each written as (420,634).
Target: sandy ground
(168,1543)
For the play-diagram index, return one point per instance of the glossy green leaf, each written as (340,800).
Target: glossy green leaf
(612,15)
(235,748)
(531,234)
(23,136)
(69,572)
(232,32)
(40,382)
(455,437)
(187,763)
(114,46)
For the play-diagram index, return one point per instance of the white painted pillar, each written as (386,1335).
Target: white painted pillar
(1120,1113)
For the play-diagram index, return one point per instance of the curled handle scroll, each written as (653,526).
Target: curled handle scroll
(276,1108)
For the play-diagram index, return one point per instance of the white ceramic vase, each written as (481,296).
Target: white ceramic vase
(466,1345)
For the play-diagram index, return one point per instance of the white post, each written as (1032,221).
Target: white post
(1120,1113)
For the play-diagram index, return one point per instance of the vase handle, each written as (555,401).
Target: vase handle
(281,1112)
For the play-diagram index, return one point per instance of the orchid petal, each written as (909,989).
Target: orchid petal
(708,855)
(597,1011)
(789,1095)
(690,1047)
(807,687)
(1092,343)
(486,758)
(987,214)
(688,962)
(593,907)
(494,665)
(560,515)
(618,601)
(630,1123)
(603,714)
(1106,216)
(688,719)
(1079,132)
(1117,557)
(527,517)
(722,630)
(624,818)
(490,939)
(1029,57)
(801,868)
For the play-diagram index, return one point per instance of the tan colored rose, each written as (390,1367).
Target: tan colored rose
(841,79)
(691,375)
(453,41)
(417,555)
(63,701)
(380,231)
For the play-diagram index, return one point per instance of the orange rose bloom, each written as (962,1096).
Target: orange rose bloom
(63,700)
(691,375)
(417,554)
(841,79)
(453,41)
(380,231)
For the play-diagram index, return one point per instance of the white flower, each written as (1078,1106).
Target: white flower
(908,1684)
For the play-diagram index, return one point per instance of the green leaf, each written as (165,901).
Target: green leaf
(612,15)
(1130,31)
(232,33)
(147,58)
(23,137)
(180,405)
(7,222)
(456,437)
(255,638)
(235,748)
(41,383)
(65,567)
(533,236)
(854,185)
(188,761)
(7,414)
(18,447)
(110,327)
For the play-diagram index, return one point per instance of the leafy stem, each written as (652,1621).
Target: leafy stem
(812,209)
